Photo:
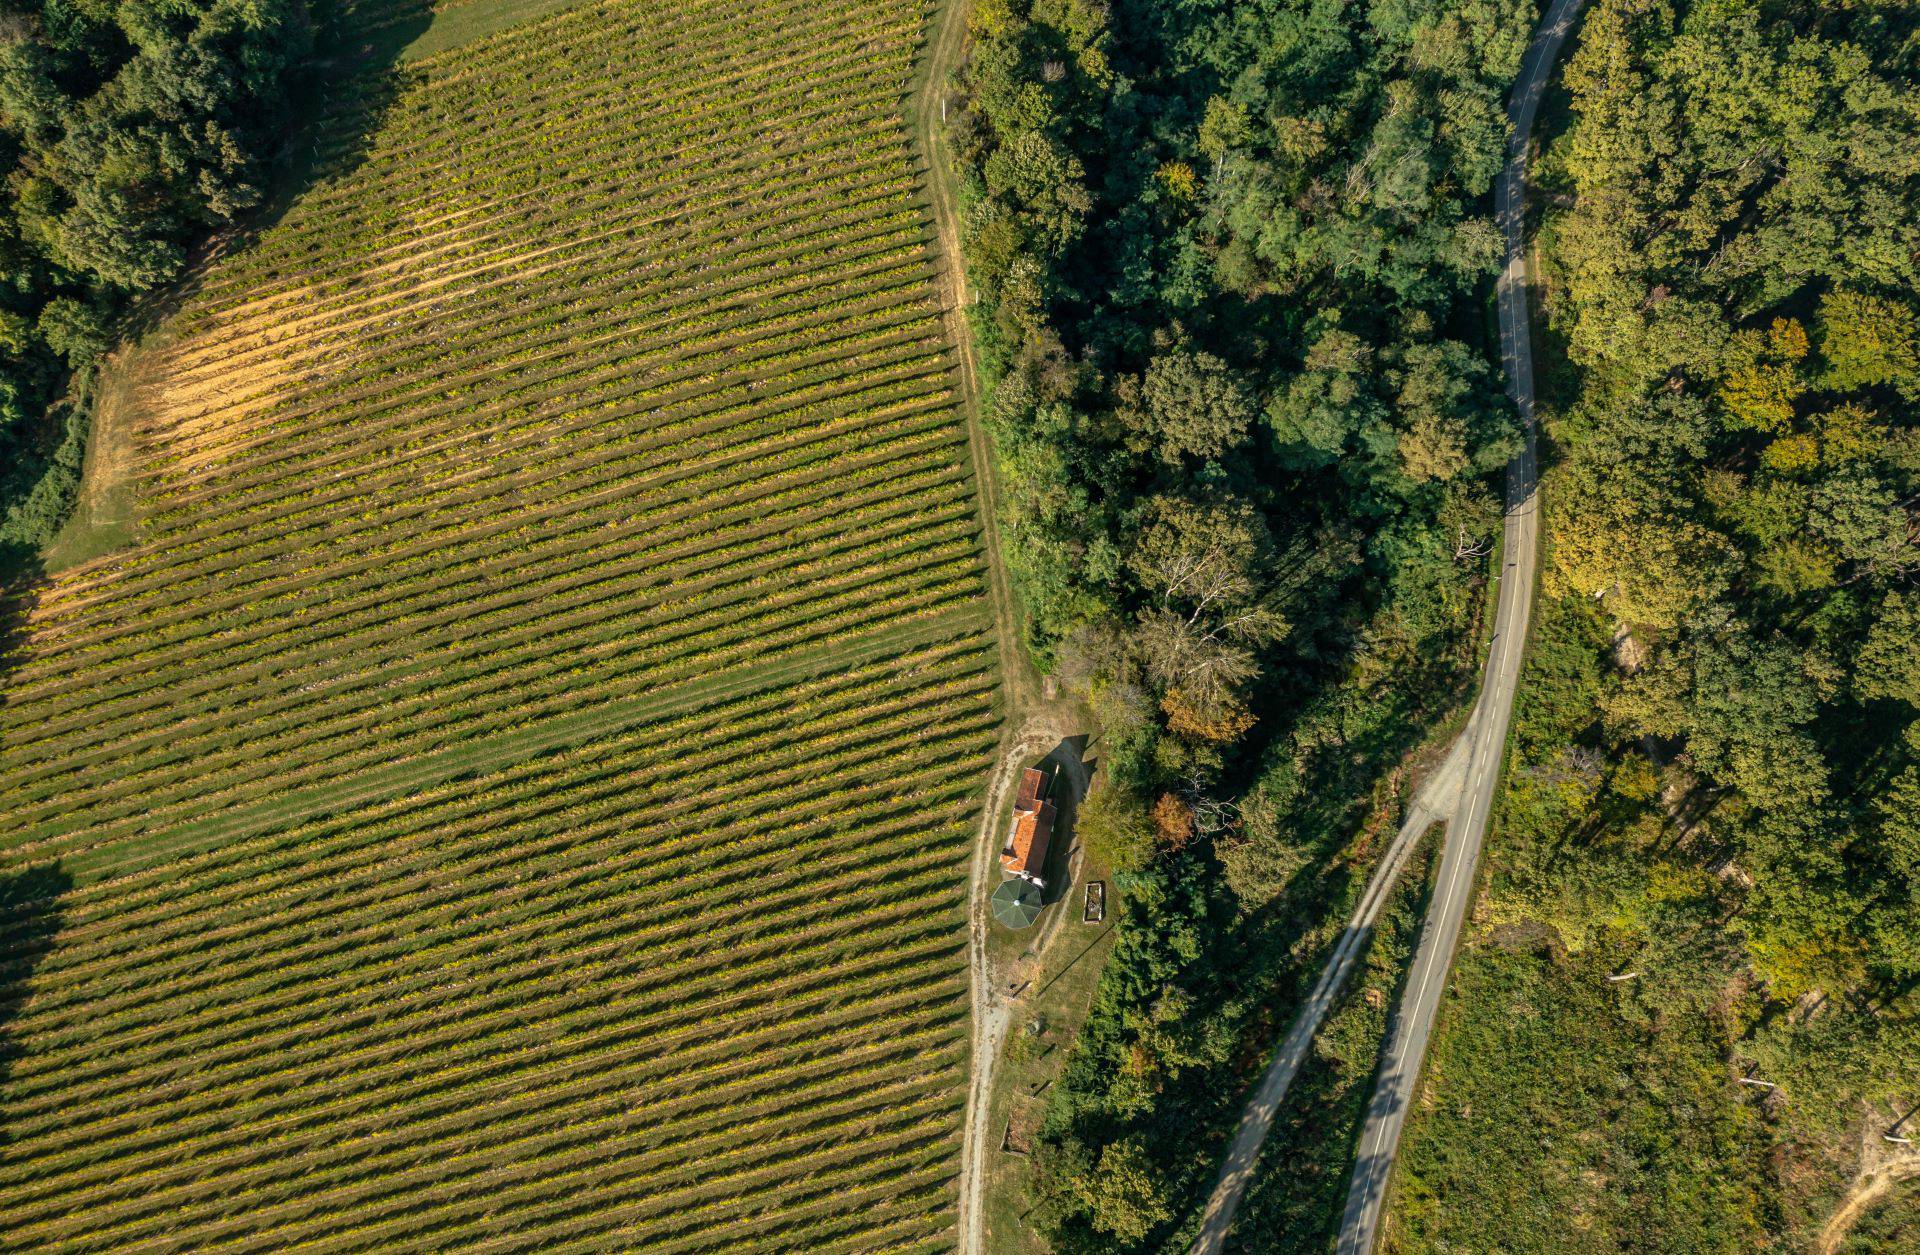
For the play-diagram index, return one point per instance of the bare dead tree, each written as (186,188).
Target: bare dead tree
(1200,574)
(1177,651)
(1467,546)
(1211,816)
(1210,581)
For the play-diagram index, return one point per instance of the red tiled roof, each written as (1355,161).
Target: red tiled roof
(1033,783)
(1026,850)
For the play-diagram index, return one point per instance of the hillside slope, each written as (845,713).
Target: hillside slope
(518,788)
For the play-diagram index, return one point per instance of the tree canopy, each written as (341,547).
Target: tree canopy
(126,132)
(1729,230)
(1740,486)
(1234,263)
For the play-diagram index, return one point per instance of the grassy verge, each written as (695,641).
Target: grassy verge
(1550,1124)
(468,20)
(1045,1021)
(1300,1182)
(105,513)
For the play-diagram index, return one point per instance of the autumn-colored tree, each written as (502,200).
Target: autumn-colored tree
(1224,127)
(1868,340)
(1764,377)
(1172,821)
(1652,567)
(1125,1193)
(1195,406)
(1178,181)
(1433,448)
(1207,714)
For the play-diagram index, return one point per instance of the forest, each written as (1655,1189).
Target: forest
(127,132)
(1739,483)
(1236,268)
(1235,265)
(1714,793)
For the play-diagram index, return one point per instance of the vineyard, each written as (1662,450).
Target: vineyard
(516,793)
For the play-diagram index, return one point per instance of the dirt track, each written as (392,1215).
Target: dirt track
(1883,1165)
(991,1013)
(1029,735)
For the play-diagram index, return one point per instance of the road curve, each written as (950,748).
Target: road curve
(1412,1020)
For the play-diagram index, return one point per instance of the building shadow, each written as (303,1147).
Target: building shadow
(29,920)
(1072,770)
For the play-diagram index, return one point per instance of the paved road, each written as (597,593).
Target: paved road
(1412,1020)
(1437,799)
(1461,792)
